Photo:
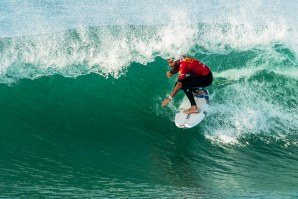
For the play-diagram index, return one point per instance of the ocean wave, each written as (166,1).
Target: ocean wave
(110,50)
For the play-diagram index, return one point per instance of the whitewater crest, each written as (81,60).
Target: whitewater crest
(106,50)
(109,50)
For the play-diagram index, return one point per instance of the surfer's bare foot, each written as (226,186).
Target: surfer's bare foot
(193,109)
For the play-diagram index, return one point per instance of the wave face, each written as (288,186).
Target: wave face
(82,83)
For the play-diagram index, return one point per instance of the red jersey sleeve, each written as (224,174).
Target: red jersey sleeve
(182,71)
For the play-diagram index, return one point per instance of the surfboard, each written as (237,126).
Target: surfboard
(183,120)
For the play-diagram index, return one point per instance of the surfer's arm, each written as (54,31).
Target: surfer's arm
(172,72)
(177,87)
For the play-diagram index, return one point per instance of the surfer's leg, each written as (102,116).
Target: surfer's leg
(193,108)
(207,80)
(187,86)
(200,81)
(188,93)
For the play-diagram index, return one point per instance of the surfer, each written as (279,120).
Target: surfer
(192,73)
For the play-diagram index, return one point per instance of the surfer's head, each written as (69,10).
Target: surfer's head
(173,63)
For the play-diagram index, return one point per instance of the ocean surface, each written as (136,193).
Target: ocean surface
(81,86)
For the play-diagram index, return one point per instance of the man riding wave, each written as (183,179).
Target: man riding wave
(192,73)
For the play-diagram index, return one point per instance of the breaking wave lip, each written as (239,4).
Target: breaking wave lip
(109,50)
(106,51)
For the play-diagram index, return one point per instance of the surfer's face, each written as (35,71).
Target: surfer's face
(171,63)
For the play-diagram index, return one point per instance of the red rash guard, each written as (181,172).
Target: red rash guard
(193,67)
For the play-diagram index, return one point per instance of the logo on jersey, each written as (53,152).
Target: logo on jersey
(188,59)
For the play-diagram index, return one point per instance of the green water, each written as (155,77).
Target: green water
(81,87)
(93,136)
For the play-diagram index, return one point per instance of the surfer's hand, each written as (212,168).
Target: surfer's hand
(164,103)
(169,74)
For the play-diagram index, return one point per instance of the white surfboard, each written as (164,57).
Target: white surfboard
(183,120)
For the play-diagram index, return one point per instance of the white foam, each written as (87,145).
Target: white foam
(222,138)
(106,50)
(236,74)
(109,51)
(247,110)
(292,73)
(224,38)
